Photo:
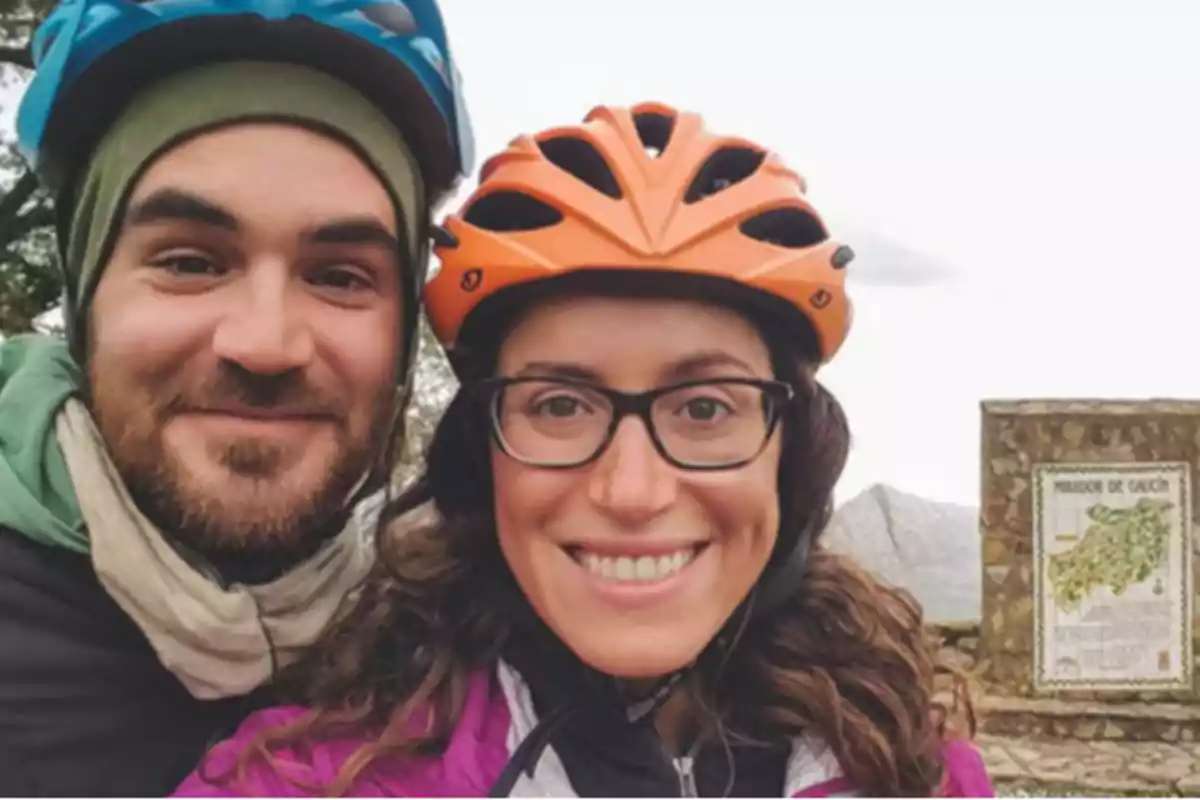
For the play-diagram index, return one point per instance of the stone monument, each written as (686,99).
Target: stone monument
(1090,618)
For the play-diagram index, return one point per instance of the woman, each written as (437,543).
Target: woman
(622,592)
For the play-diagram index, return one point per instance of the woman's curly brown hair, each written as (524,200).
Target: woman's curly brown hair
(841,656)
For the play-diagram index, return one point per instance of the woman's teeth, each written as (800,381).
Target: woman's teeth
(636,568)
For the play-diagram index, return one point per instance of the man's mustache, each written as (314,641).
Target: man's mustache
(233,389)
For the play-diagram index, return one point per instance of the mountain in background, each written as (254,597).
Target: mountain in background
(930,548)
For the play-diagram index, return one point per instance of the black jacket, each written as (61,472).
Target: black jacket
(86,709)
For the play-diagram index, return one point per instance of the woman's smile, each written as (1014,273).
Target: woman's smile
(638,581)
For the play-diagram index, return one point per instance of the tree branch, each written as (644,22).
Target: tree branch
(10,255)
(40,216)
(12,203)
(17,56)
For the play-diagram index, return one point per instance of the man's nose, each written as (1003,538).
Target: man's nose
(631,482)
(265,330)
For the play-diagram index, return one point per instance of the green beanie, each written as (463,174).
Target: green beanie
(199,100)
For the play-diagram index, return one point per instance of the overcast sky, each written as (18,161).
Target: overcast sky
(1021,181)
(1024,176)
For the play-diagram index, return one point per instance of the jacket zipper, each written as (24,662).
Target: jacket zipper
(687,779)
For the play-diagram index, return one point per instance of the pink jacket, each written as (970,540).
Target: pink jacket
(498,714)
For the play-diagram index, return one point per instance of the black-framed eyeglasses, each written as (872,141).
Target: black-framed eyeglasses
(563,423)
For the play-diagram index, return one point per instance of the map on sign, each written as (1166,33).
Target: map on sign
(1120,547)
(1113,576)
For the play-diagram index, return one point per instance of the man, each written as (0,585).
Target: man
(243,244)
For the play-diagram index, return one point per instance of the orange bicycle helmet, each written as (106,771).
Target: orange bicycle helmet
(646,188)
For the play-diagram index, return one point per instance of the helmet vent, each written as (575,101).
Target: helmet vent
(507,212)
(580,158)
(654,130)
(393,17)
(723,169)
(785,227)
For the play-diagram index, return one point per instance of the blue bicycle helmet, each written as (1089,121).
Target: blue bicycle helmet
(92,56)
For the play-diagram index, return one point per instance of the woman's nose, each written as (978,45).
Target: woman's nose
(631,482)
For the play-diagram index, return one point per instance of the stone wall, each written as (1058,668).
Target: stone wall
(1018,717)
(1017,435)
(958,644)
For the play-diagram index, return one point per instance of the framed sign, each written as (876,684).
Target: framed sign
(1112,556)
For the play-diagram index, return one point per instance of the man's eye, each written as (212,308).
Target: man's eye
(188,265)
(344,279)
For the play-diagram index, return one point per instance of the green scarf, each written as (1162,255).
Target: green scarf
(37,375)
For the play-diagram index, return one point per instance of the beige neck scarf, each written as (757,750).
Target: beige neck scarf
(220,642)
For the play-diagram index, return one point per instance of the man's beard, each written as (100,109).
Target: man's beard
(274,522)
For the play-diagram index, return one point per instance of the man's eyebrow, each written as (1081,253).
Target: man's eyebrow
(176,205)
(354,231)
(170,204)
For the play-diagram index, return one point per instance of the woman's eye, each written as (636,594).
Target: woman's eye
(558,406)
(704,409)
